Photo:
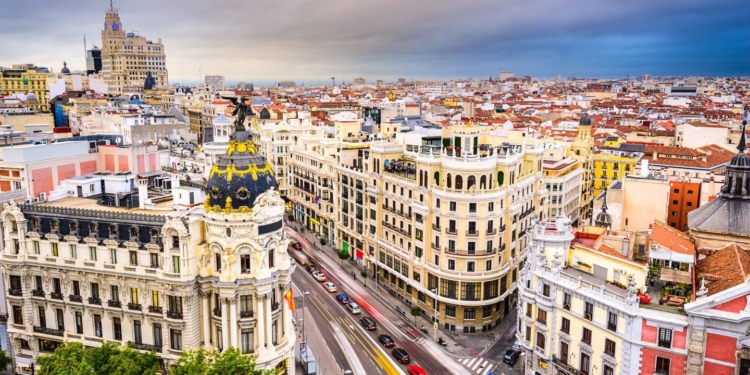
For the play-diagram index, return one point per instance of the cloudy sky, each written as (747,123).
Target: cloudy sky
(306,40)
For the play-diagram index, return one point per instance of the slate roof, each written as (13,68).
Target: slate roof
(722,215)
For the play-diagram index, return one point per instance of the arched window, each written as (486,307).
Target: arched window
(471,181)
(449,181)
(500,178)
(459,182)
(271,261)
(483,182)
(437,178)
(133,232)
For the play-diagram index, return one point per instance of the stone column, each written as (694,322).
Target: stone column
(269,319)
(261,316)
(285,310)
(233,322)
(224,325)
(206,319)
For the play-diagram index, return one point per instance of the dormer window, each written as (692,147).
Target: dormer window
(35,223)
(133,233)
(113,230)
(175,242)
(73,226)
(55,225)
(154,235)
(92,229)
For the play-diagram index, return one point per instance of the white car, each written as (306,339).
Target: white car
(320,276)
(353,307)
(331,287)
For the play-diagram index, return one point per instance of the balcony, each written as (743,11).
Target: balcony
(451,231)
(49,331)
(435,247)
(502,228)
(155,309)
(146,347)
(436,227)
(75,298)
(37,293)
(174,315)
(247,314)
(113,303)
(471,252)
(95,301)
(472,233)
(217,311)
(393,227)
(57,296)
(491,232)
(135,306)
(563,364)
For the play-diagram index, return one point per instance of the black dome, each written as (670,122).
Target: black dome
(585,120)
(238,177)
(65,69)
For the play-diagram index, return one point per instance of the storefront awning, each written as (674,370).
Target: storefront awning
(676,276)
(671,256)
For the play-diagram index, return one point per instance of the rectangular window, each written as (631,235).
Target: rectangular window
(470,266)
(175,339)
(245,263)
(609,347)
(491,207)
(73,252)
(540,340)
(134,295)
(95,290)
(175,304)
(98,325)
(565,325)
(154,298)
(608,370)
(487,312)
(452,206)
(133,258)
(154,257)
(137,334)
(42,317)
(585,363)
(117,329)
(274,332)
(662,366)
(566,301)
(529,309)
(451,264)
(470,313)
(472,207)
(450,310)
(17,314)
(176,264)
(586,336)
(588,312)
(114,292)
(54,249)
(36,247)
(247,339)
(157,335)
(665,338)
(545,290)
(113,256)
(564,352)
(612,321)
(437,203)
(541,316)
(76,288)
(488,265)
(92,253)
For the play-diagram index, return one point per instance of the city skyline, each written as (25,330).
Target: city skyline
(386,41)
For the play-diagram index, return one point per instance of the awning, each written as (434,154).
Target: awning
(675,276)
(150,174)
(671,256)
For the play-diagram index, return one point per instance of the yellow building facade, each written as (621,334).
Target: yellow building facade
(610,168)
(26,82)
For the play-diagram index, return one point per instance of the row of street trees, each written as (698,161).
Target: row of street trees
(112,359)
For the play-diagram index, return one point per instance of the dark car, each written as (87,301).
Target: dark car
(511,356)
(342,298)
(311,268)
(401,355)
(386,340)
(369,323)
(296,245)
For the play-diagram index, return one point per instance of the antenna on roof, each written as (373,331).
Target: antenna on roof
(742,146)
(111,6)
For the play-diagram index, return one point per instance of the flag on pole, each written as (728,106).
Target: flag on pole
(290,299)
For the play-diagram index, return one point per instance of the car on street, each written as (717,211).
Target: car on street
(311,268)
(510,357)
(342,298)
(296,245)
(368,323)
(386,340)
(330,287)
(416,370)
(401,355)
(353,307)
(320,276)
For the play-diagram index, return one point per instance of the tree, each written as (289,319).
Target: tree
(415,312)
(343,255)
(4,360)
(108,359)
(364,276)
(228,362)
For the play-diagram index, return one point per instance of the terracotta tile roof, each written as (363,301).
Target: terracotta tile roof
(724,269)
(672,239)
(609,250)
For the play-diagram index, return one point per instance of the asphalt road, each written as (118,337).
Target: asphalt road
(373,357)
(497,352)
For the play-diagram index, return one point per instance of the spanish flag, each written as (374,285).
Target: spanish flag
(289,299)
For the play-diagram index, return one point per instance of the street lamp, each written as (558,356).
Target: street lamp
(304,319)
(435,317)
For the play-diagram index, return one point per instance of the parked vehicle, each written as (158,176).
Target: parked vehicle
(516,346)
(511,356)
(401,355)
(386,340)
(353,307)
(330,287)
(368,323)
(342,298)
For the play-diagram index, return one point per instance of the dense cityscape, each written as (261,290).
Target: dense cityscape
(508,224)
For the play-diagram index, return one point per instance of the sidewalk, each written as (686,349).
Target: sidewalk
(459,344)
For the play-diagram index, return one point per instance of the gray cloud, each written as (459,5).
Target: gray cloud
(267,40)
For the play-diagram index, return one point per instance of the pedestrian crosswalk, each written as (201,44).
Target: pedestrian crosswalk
(478,365)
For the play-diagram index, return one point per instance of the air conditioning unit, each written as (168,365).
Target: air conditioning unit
(654,246)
